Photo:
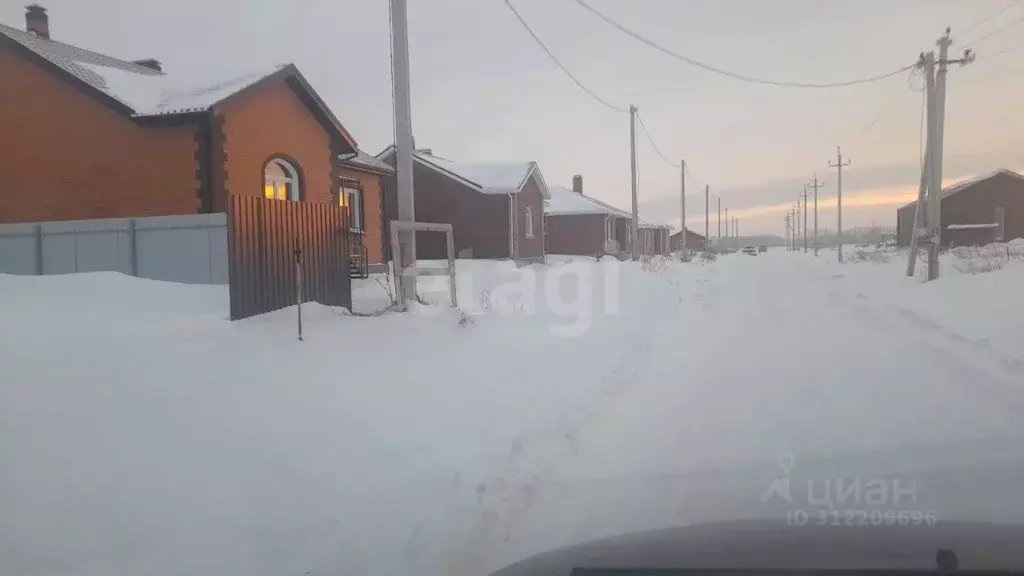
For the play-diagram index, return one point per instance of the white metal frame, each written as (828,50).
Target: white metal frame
(400,271)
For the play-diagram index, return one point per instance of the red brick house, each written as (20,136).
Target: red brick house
(496,209)
(580,225)
(694,241)
(87,135)
(362,191)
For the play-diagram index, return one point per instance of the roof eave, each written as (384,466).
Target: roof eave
(535,170)
(321,111)
(81,85)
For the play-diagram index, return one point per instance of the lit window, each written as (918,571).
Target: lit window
(351,197)
(529,222)
(280,181)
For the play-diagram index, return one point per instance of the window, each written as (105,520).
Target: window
(351,197)
(609,228)
(280,181)
(529,221)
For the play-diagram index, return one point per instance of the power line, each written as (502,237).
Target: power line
(559,64)
(653,144)
(1005,50)
(723,72)
(881,112)
(997,31)
(1011,4)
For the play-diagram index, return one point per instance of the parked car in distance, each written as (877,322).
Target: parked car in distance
(750,250)
(762,248)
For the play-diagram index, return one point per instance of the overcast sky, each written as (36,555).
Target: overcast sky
(483,90)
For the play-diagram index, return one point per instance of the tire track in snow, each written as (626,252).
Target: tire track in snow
(921,331)
(505,498)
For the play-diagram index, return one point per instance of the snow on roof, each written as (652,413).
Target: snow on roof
(565,201)
(150,95)
(488,177)
(364,160)
(949,190)
(145,90)
(493,177)
(968,182)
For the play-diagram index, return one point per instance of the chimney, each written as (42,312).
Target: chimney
(577,184)
(36,21)
(151,63)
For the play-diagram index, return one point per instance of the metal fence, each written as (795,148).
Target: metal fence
(273,244)
(188,248)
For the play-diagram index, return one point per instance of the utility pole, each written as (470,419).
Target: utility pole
(921,218)
(815,184)
(786,220)
(798,222)
(839,168)
(935,212)
(682,209)
(634,235)
(719,219)
(805,195)
(794,223)
(403,143)
(720,239)
(736,230)
(707,230)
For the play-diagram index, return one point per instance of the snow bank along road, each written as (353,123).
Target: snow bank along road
(140,432)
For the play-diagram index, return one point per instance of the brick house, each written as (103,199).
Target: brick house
(971,208)
(496,209)
(580,225)
(91,136)
(694,241)
(362,191)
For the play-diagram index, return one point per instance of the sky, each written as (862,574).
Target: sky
(483,90)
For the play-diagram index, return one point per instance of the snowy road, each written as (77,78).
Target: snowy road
(779,358)
(166,440)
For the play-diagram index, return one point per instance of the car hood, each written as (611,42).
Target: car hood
(970,488)
(773,544)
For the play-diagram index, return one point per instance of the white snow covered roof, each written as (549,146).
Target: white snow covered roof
(488,177)
(493,177)
(565,201)
(363,160)
(964,184)
(150,95)
(146,91)
(950,190)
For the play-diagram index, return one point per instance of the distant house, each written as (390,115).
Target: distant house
(92,136)
(496,209)
(654,238)
(581,225)
(970,210)
(694,241)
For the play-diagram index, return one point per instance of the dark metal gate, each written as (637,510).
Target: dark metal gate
(263,236)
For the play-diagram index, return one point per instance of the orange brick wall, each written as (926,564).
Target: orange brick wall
(66,156)
(371,199)
(268,122)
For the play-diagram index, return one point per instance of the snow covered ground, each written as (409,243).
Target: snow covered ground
(143,433)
